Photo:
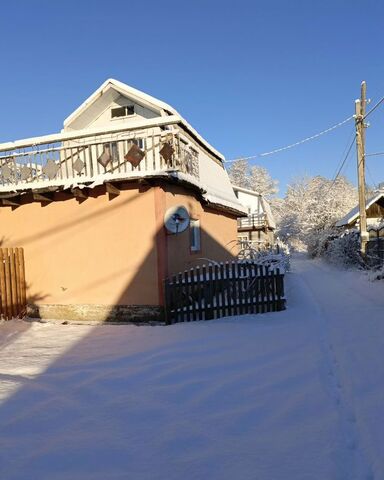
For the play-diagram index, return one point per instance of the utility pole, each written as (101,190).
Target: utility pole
(360,150)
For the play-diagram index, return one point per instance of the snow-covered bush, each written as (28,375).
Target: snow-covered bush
(274,260)
(376,274)
(344,250)
(277,257)
(318,241)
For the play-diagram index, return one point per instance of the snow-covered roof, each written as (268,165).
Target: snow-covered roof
(142,98)
(268,213)
(354,213)
(246,190)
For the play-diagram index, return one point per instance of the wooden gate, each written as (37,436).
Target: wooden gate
(219,290)
(12,283)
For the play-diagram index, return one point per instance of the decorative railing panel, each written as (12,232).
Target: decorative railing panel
(88,159)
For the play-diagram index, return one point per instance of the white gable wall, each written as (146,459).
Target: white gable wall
(251,201)
(98,114)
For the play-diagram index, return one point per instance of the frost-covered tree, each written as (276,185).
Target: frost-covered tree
(239,173)
(255,178)
(277,207)
(312,206)
(262,182)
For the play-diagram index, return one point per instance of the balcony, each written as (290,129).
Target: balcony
(89,158)
(255,221)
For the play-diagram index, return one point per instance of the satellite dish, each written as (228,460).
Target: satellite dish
(176,219)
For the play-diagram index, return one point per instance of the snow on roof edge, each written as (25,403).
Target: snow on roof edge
(268,212)
(246,190)
(354,213)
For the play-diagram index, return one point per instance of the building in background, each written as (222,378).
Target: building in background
(374,208)
(258,227)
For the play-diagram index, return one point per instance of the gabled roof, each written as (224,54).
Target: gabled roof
(354,213)
(125,90)
(144,99)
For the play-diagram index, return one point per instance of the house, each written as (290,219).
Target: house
(88,206)
(258,227)
(375,215)
(374,208)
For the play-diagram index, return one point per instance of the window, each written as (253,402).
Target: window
(194,226)
(139,142)
(122,111)
(111,149)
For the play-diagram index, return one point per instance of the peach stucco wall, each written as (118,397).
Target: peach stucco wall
(110,251)
(98,251)
(218,234)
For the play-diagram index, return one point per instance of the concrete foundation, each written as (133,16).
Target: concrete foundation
(98,313)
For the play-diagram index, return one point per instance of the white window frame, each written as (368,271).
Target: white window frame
(195,235)
(124,116)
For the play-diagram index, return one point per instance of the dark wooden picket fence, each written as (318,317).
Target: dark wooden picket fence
(219,290)
(12,283)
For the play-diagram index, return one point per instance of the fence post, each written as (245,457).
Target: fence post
(7,284)
(3,291)
(15,306)
(22,278)
(198,293)
(167,302)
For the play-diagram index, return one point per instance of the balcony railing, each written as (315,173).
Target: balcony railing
(253,244)
(253,221)
(70,159)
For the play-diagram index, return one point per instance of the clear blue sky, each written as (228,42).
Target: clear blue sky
(248,75)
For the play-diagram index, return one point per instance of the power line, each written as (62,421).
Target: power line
(347,146)
(307,139)
(371,177)
(374,108)
(374,154)
(344,161)
(341,165)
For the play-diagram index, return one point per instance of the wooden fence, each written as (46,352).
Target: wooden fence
(375,251)
(12,283)
(219,290)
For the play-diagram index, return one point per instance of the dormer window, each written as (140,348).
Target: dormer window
(122,111)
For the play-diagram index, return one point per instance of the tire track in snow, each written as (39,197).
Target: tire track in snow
(359,467)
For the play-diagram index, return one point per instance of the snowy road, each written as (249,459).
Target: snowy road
(349,311)
(296,395)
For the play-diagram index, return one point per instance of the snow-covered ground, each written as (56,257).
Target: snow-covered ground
(284,396)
